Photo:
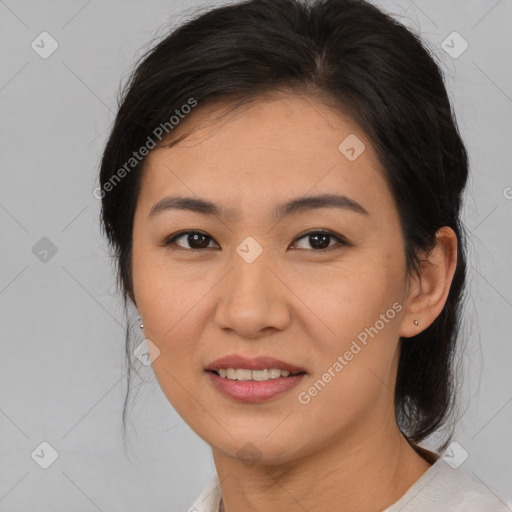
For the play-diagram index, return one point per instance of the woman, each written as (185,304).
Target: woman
(282,191)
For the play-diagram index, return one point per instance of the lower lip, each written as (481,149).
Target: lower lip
(253,390)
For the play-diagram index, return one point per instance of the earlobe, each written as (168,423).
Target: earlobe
(431,287)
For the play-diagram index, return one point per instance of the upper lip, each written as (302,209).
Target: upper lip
(252,363)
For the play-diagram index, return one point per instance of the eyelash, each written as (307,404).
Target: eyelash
(171,240)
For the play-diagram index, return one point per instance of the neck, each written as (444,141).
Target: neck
(367,474)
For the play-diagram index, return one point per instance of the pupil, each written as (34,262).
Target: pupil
(321,245)
(194,238)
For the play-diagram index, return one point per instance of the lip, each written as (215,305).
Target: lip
(252,390)
(249,390)
(252,363)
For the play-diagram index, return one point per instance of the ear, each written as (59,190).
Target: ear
(428,291)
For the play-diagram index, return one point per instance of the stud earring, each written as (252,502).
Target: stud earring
(141,326)
(416,322)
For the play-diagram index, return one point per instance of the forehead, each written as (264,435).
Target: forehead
(270,148)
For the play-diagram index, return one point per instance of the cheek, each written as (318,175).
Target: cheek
(347,297)
(172,309)
(355,331)
(173,314)
(162,297)
(176,301)
(354,368)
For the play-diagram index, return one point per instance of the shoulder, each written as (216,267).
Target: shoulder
(440,488)
(452,490)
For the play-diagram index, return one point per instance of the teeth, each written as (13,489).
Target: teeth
(258,375)
(274,374)
(243,374)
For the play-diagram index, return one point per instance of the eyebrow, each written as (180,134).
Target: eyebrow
(293,206)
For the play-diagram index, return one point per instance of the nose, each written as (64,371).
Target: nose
(253,300)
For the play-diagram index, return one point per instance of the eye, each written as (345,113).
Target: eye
(197,241)
(320,240)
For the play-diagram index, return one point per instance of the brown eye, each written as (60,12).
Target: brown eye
(195,239)
(320,240)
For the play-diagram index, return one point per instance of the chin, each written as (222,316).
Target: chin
(256,449)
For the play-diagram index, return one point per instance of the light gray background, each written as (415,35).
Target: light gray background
(61,372)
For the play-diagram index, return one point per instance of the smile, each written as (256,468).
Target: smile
(258,375)
(253,379)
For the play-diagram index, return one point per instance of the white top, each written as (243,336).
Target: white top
(440,488)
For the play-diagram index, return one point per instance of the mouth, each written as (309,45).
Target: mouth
(253,379)
(261,375)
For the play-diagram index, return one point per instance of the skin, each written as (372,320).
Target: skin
(304,306)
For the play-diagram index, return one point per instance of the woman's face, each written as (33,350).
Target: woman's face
(259,281)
